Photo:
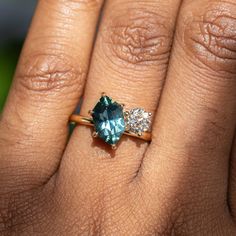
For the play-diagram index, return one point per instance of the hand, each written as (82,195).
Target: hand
(183,183)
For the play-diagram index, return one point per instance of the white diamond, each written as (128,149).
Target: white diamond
(138,121)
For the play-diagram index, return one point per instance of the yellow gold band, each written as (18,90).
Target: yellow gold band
(89,122)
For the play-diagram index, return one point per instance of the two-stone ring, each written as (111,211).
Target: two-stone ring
(111,121)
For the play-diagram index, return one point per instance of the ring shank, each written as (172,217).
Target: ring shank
(89,122)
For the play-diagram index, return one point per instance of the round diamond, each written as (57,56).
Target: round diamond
(138,120)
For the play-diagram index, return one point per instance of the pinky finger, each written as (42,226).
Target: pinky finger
(232,180)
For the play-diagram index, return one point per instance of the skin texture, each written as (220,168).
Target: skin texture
(174,58)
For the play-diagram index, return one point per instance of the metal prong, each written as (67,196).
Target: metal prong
(95,134)
(122,104)
(90,112)
(126,113)
(127,128)
(150,114)
(113,146)
(103,94)
(139,134)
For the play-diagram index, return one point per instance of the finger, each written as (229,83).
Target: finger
(196,118)
(232,180)
(129,64)
(48,83)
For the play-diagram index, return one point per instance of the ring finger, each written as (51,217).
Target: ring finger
(129,64)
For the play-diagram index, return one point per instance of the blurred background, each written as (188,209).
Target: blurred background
(15,17)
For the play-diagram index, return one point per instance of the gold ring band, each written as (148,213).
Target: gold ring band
(111,121)
(78,119)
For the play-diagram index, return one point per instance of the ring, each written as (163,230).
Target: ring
(111,121)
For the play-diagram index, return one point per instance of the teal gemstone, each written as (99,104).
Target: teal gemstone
(108,118)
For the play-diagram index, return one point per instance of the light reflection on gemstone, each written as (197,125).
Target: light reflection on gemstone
(108,120)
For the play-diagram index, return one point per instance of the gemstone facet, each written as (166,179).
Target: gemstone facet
(138,121)
(108,118)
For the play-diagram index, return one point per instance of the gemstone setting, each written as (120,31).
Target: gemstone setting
(138,121)
(108,119)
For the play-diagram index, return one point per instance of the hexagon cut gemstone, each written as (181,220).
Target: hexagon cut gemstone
(108,118)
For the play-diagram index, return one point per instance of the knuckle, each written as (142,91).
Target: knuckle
(211,37)
(138,38)
(86,4)
(49,73)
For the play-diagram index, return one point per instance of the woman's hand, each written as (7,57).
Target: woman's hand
(183,183)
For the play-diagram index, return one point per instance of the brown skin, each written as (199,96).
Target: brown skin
(184,182)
